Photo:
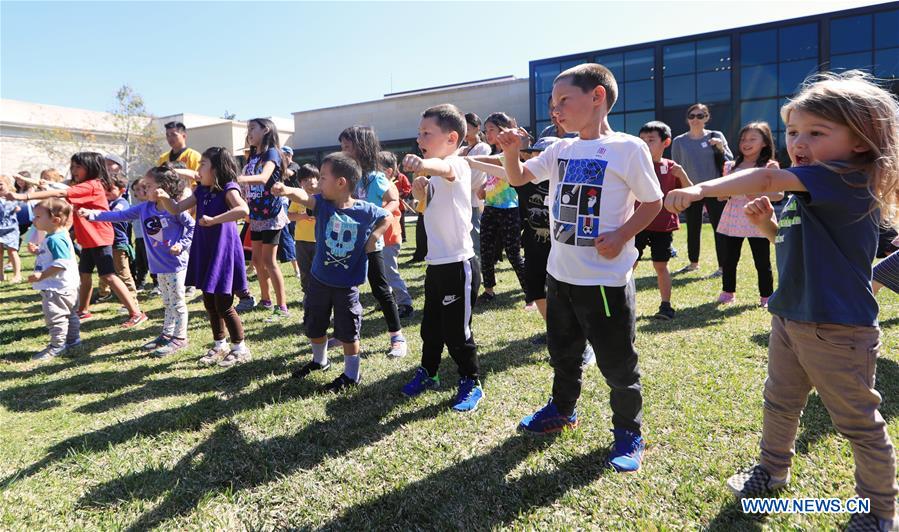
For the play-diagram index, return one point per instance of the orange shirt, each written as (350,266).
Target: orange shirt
(90,194)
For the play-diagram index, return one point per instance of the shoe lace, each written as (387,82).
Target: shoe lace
(626,442)
(466,387)
(547,411)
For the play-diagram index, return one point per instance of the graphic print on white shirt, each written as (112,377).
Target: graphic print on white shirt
(577,199)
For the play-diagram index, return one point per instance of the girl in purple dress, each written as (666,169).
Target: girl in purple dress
(216,264)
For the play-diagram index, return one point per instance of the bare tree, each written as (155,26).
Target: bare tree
(135,130)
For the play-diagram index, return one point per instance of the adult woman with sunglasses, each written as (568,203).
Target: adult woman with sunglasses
(702,153)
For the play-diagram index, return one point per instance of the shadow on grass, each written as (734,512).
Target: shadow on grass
(704,315)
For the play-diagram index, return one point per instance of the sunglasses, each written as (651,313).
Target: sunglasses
(698,116)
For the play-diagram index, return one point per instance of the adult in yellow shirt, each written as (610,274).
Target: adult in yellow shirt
(176,136)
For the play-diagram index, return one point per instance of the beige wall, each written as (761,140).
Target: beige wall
(397,117)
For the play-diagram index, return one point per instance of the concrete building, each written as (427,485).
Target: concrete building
(36,136)
(396,116)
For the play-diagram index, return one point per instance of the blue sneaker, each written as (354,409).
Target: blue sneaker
(420,382)
(547,420)
(627,454)
(469,395)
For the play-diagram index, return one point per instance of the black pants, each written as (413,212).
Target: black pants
(761,255)
(377,280)
(223,316)
(450,291)
(421,239)
(604,316)
(694,227)
(501,230)
(140,268)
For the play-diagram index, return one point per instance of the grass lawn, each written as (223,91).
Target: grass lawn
(112,439)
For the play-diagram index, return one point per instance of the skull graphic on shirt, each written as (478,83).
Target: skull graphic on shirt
(340,239)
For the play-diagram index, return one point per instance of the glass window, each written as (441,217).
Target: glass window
(680,90)
(713,55)
(542,108)
(885,33)
(679,59)
(759,47)
(616,122)
(760,110)
(799,42)
(793,74)
(886,63)
(850,61)
(758,81)
(572,62)
(614,62)
(634,121)
(713,86)
(640,95)
(639,64)
(851,34)
(544,76)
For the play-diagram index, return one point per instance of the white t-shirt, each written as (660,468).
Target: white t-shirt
(478,177)
(448,216)
(592,188)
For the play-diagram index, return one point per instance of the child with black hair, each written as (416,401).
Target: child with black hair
(393,239)
(122,252)
(88,191)
(216,263)
(452,277)
(658,234)
(593,180)
(361,143)
(304,235)
(347,231)
(168,240)
(268,213)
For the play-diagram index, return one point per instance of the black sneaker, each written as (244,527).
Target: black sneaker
(341,383)
(665,312)
(486,297)
(870,523)
(308,368)
(755,482)
(405,311)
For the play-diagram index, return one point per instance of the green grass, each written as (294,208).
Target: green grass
(113,439)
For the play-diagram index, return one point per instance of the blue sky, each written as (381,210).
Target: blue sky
(261,59)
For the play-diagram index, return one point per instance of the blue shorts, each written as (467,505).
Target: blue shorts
(287,250)
(100,258)
(318,303)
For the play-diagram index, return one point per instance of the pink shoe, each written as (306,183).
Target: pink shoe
(763,302)
(726,298)
(531,306)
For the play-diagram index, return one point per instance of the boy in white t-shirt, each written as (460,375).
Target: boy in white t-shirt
(452,278)
(593,182)
(56,276)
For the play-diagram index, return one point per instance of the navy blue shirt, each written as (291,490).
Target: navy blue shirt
(121,230)
(340,236)
(826,242)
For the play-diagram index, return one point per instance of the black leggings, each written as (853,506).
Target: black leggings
(501,229)
(761,255)
(377,280)
(694,227)
(421,239)
(222,315)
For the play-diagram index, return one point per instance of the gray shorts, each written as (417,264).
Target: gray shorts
(321,299)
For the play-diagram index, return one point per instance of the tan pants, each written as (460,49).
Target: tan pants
(839,362)
(123,271)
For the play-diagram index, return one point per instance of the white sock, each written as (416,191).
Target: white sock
(320,353)
(351,366)
(239,347)
(220,344)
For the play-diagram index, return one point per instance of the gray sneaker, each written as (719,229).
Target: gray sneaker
(172,345)
(246,304)
(871,523)
(48,353)
(213,356)
(755,482)
(155,343)
(235,357)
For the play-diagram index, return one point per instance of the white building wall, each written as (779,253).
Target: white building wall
(397,117)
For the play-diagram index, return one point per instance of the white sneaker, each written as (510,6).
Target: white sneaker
(398,349)
(589,356)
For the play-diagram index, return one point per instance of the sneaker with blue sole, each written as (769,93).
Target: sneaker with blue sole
(420,383)
(548,420)
(469,395)
(627,452)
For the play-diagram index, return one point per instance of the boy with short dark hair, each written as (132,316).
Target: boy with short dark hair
(452,277)
(594,180)
(346,229)
(122,251)
(658,234)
